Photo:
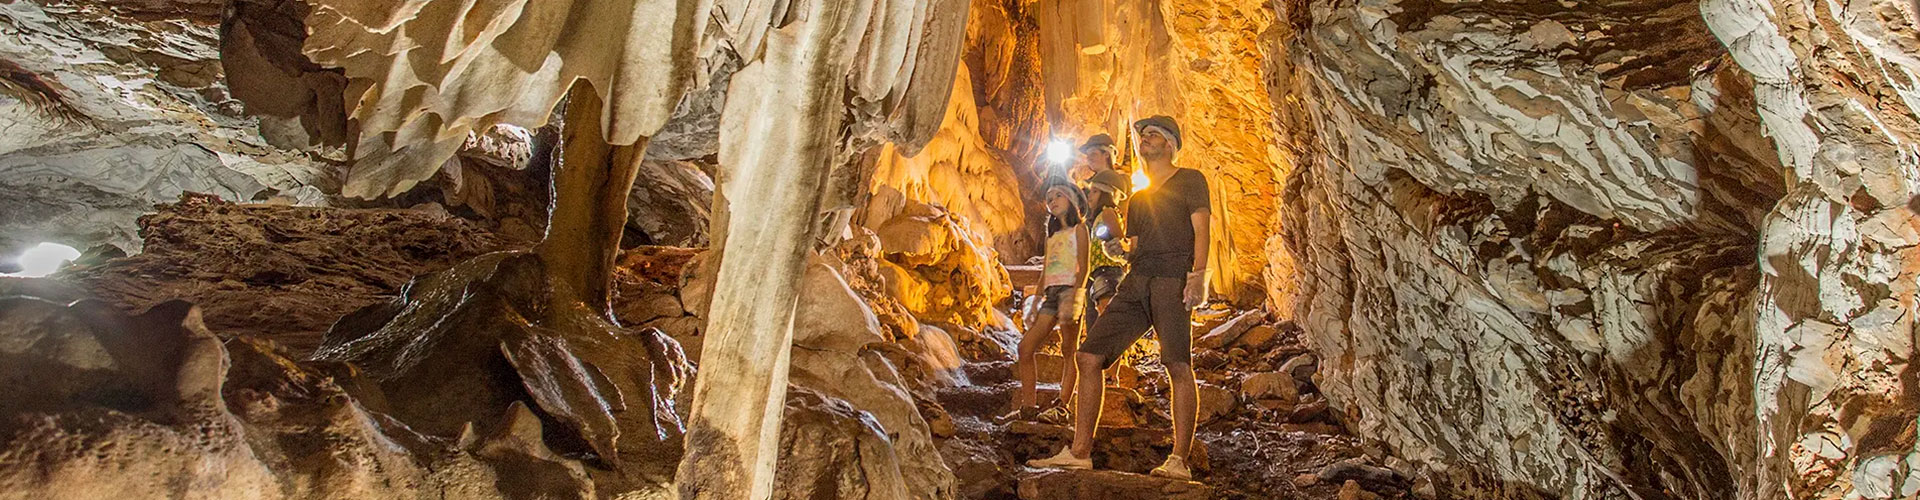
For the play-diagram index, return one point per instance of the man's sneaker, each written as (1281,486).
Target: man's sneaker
(1065,460)
(1176,468)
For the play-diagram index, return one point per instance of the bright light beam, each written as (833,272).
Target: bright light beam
(43,260)
(1059,152)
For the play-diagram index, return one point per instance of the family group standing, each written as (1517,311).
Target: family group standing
(1120,262)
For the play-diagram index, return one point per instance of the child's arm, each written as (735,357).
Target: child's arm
(1085,249)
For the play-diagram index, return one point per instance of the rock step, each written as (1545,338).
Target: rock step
(1023,276)
(987,400)
(1126,449)
(1057,484)
(989,372)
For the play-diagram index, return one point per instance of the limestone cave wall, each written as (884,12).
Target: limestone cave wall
(110,107)
(1110,62)
(1659,249)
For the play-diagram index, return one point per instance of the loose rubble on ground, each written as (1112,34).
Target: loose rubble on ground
(264,386)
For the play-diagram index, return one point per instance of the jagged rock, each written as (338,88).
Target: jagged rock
(980,469)
(105,404)
(934,267)
(1224,335)
(829,450)
(1374,478)
(1256,337)
(1351,490)
(1215,402)
(671,206)
(278,272)
(1119,409)
(833,330)
(463,343)
(1108,485)
(1271,385)
(109,112)
(519,448)
(1626,262)
(1308,409)
(938,421)
(1301,367)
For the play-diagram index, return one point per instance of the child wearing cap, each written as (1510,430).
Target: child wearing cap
(1063,274)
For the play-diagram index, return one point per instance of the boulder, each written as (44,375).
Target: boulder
(829,450)
(1255,337)
(1271,386)
(1120,408)
(980,468)
(1225,334)
(1215,402)
(833,331)
(1372,477)
(1352,490)
(1301,367)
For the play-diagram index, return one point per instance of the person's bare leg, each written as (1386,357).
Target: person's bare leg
(1024,369)
(1069,360)
(1087,416)
(1185,406)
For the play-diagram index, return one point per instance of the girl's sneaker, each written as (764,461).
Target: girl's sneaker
(1057,415)
(1027,414)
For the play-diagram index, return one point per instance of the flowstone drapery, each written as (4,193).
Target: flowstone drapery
(821,80)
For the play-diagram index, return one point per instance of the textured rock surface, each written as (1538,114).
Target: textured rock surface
(324,429)
(107,404)
(276,272)
(107,113)
(1108,63)
(1108,485)
(1635,237)
(829,450)
(938,269)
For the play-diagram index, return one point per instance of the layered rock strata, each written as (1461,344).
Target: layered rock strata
(1635,237)
(108,111)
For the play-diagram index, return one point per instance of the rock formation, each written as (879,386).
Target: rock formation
(108,112)
(1523,249)
(1621,236)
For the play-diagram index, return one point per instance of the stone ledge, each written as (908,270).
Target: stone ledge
(1058,484)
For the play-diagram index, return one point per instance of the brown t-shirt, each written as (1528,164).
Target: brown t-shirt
(1161,216)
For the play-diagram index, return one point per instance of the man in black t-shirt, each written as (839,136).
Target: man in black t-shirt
(1168,224)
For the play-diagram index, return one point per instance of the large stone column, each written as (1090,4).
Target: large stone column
(779,139)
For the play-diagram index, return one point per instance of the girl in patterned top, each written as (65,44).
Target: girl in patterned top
(1062,277)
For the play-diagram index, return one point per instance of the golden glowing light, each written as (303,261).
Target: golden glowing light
(1140,180)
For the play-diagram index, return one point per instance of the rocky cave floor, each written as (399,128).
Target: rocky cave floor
(273,279)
